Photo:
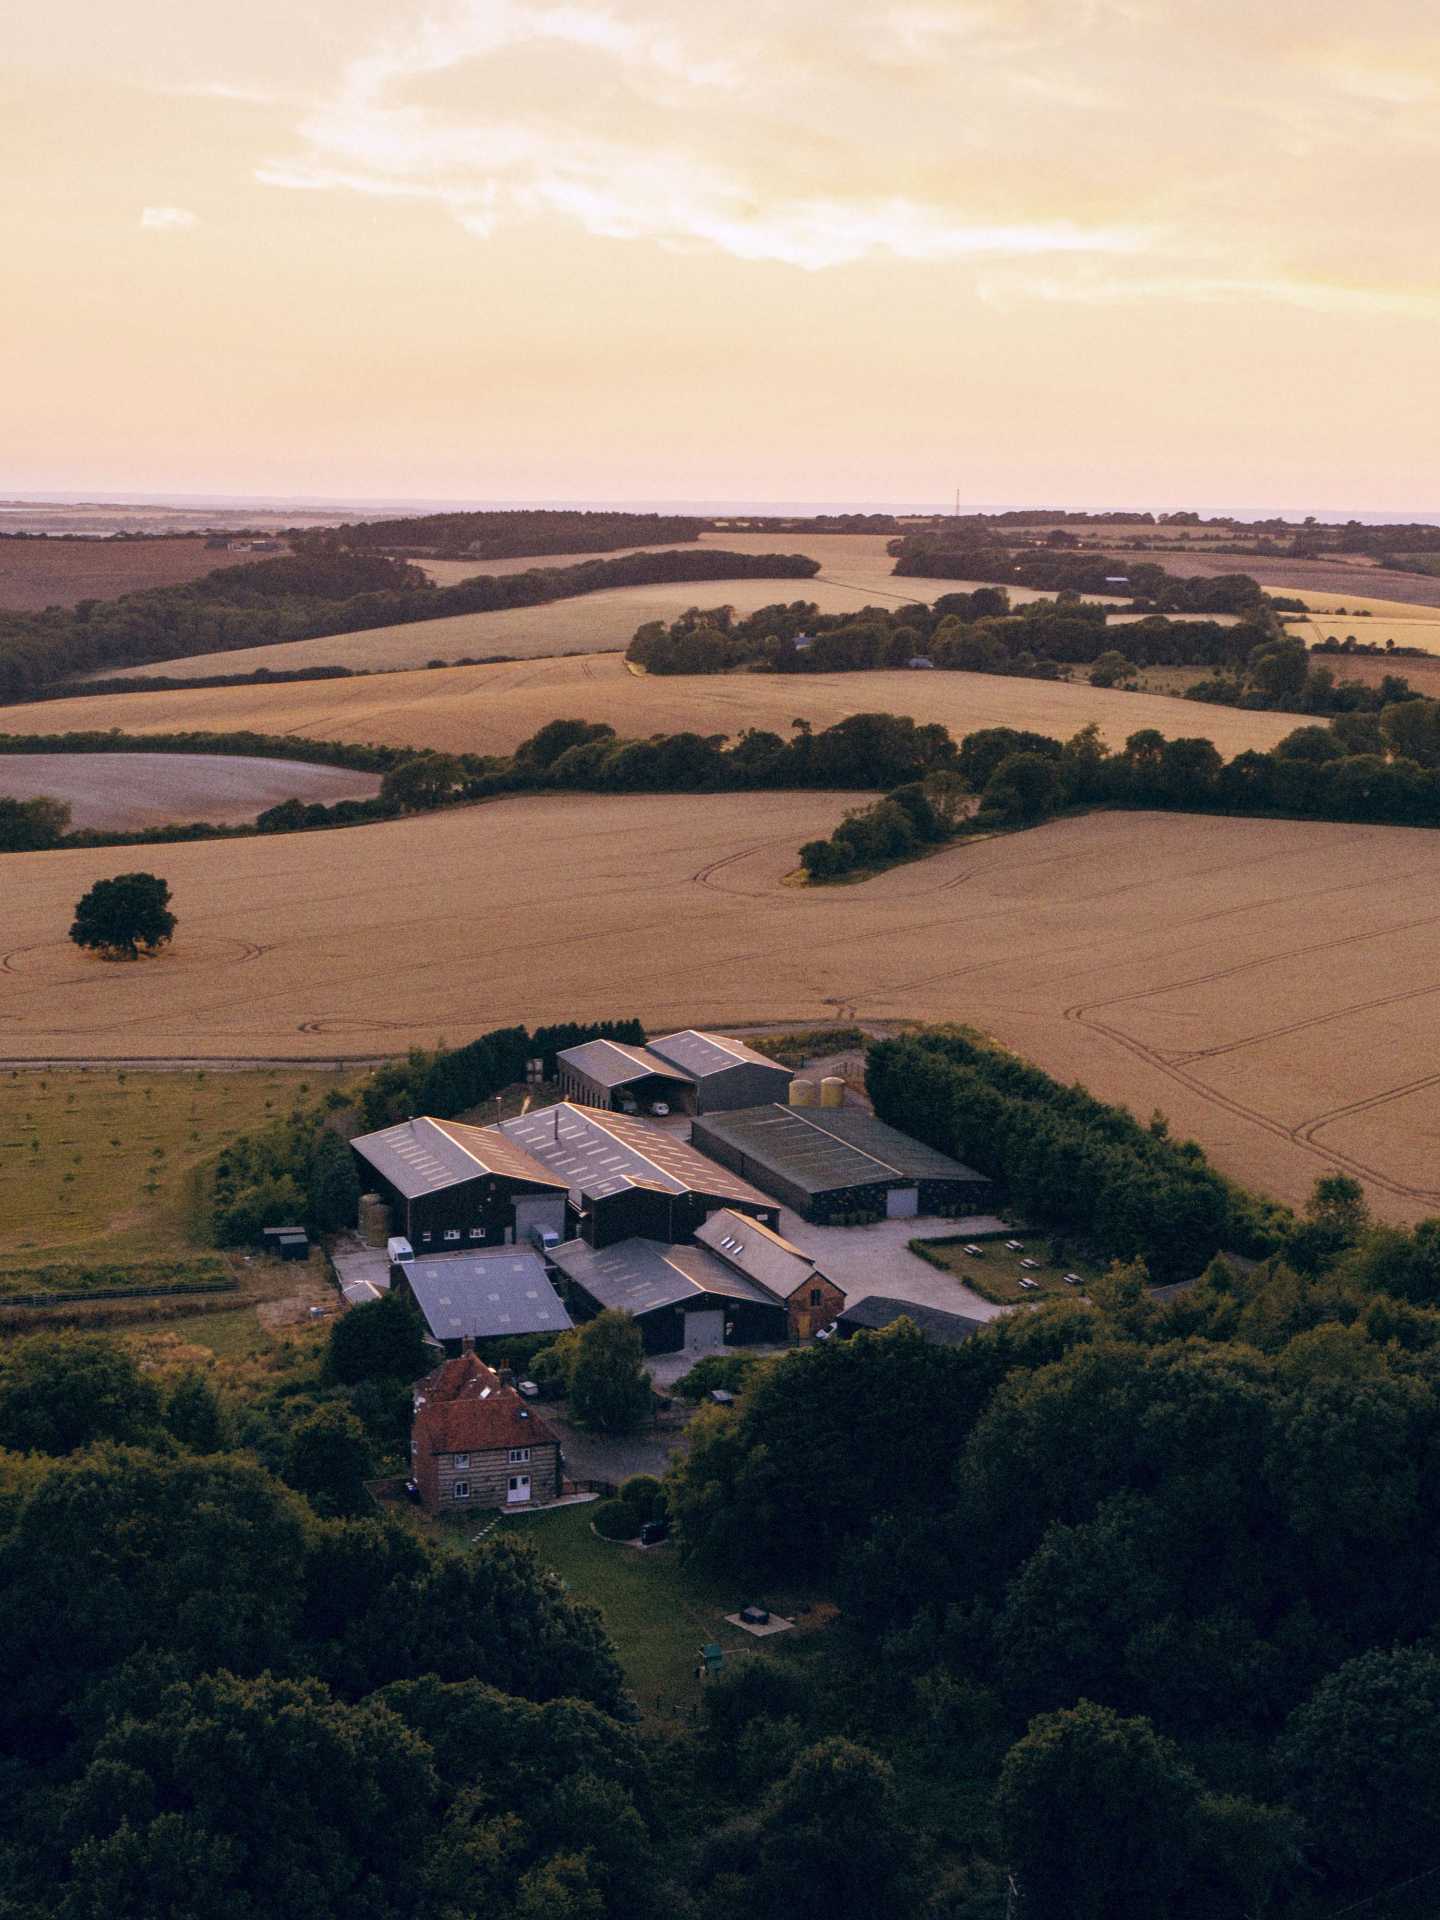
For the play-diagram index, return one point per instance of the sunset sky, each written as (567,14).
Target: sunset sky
(1084,252)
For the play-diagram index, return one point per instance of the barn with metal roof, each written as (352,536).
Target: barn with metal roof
(877,1311)
(626,1177)
(832,1162)
(724,1074)
(680,1296)
(606,1073)
(481,1296)
(689,1072)
(451,1187)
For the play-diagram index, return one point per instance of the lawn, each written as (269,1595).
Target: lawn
(95,1163)
(657,1611)
(997,1273)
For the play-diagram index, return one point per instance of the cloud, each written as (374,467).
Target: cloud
(1140,155)
(168,219)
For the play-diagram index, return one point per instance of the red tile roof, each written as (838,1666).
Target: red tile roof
(462,1408)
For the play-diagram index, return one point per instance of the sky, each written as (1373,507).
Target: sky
(1063,252)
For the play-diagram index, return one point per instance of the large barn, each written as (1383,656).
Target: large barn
(626,1178)
(680,1297)
(687,1072)
(450,1187)
(830,1162)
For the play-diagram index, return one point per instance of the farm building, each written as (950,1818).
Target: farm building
(682,1297)
(689,1072)
(811,1300)
(831,1162)
(475,1443)
(627,1178)
(480,1296)
(605,1074)
(450,1187)
(877,1311)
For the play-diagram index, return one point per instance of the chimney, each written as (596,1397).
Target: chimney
(467,1343)
(507,1377)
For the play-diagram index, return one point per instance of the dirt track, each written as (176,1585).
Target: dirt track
(1270,985)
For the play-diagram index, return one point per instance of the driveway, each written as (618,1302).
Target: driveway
(877,1259)
(363,1273)
(613,1457)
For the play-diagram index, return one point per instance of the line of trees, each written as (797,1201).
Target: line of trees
(306,595)
(936,553)
(1065,1160)
(504,534)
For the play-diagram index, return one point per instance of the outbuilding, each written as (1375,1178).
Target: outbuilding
(878,1311)
(783,1270)
(832,1162)
(724,1074)
(609,1075)
(474,1297)
(682,1297)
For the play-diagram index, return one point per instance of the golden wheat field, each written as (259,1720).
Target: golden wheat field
(855,572)
(1271,985)
(491,709)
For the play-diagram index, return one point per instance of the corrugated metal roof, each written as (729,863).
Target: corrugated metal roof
(701,1054)
(823,1148)
(610,1064)
(425,1156)
(598,1154)
(484,1295)
(640,1276)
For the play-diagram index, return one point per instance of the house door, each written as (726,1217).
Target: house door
(902,1203)
(518,1489)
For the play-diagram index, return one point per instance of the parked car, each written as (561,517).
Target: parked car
(544,1238)
(1016,1246)
(412,1493)
(1073,1280)
(975,1253)
(661,1109)
(653,1532)
(528,1388)
(1031,1286)
(1030,1264)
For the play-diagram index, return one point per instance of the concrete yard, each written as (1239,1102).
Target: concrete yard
(877,1259)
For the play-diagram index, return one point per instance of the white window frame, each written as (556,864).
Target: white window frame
(461,1490)
(452,1233)
(460,1461)
(477,1233)
(519,1457)
(425,1237)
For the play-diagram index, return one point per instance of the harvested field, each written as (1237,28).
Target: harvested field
(57,573)
(491,709)
(1336,580)
(1270,985)
(124,791)
(855,572)
(1423,675)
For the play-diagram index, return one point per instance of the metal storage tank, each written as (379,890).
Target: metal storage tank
(374,1220)
(832,1091)
(802,1093)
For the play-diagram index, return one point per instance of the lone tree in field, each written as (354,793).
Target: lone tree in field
(119,917)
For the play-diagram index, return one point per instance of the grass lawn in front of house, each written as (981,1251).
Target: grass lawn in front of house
(657,1610)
